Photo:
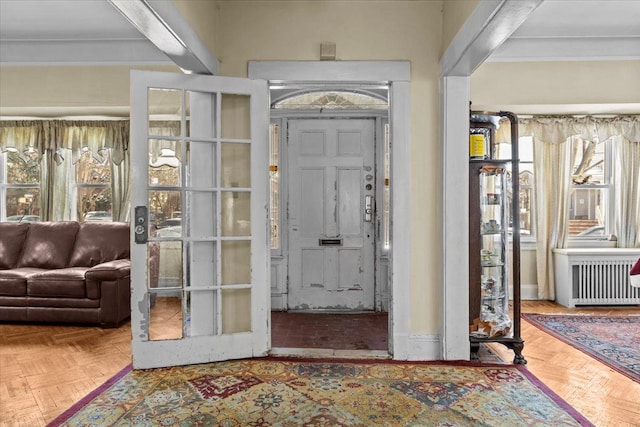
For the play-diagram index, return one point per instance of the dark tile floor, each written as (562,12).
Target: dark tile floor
(361,331)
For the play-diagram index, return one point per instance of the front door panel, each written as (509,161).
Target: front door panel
(331,242)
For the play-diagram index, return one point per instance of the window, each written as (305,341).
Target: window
(590,192)
(332,100)
(274,184)
(590,196)
(386,237)
(93,180)
(20,186)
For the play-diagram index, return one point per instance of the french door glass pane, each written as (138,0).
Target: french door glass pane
(236,262)
(236,165)
(236,310)
(165,316)
(165,208)
(164,105)
(202,259)
(236,122)
(202,164)
(236,213)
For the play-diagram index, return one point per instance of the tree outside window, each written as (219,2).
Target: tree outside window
(589,199)
(93,179)
(20,186)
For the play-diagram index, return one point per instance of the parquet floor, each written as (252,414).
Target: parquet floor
(46,369)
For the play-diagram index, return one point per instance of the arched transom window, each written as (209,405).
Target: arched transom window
(333,100)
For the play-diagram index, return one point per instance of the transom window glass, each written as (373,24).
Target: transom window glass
(333,100)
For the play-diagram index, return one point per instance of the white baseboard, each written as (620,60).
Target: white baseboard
(419,347)
(529,292)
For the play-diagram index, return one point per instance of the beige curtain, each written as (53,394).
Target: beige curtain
(60,143)
(551,188)
(626,180)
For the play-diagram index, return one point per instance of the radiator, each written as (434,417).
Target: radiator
(595,277)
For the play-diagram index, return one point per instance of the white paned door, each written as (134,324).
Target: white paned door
(331,219)
(199,248)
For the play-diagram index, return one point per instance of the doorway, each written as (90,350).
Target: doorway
(394,77)
(330,230)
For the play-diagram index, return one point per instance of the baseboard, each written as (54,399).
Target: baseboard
(423,347)
(529,292)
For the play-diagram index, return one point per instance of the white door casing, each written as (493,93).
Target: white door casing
(223,256)
(331,168)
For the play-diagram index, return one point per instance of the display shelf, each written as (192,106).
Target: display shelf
(491,317)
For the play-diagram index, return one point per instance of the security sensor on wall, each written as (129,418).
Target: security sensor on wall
(327,51)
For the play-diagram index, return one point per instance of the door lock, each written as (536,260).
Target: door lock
(140,225)
(368,208)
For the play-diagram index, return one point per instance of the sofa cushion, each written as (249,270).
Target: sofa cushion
(99,242)
(49,244)
(12,236)
(61,283)
(14,282)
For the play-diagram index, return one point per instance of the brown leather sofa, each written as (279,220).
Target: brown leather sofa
(65,272)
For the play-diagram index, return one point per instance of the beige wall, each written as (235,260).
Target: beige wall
(556,83)
(202,16)
(455,13)
(75,90)
(383,30)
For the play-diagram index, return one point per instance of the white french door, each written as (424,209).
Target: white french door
(199,248)
(331,214)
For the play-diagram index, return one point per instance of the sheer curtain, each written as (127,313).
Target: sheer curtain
(625,132)
(59,144)
(552,175)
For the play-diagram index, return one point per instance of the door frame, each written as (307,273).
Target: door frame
(397,75)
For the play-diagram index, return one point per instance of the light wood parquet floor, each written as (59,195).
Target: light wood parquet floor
(46,369)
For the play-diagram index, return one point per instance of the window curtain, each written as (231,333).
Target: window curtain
(60,143)
(625,132)
(552,169)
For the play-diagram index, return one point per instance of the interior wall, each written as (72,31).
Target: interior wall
(75,90)
(383,30)
(202,16)
(556,84)
(455,13)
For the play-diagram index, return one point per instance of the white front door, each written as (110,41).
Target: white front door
(200,282)
(331,200)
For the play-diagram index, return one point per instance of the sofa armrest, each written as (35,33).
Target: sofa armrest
(111,270)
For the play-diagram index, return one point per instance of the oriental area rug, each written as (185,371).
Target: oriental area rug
(313,392)
(613,340)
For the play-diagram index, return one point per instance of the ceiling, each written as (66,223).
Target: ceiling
(93,32)
(88,32)
(576,30)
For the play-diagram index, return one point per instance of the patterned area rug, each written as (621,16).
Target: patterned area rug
(613,340)
(311,392)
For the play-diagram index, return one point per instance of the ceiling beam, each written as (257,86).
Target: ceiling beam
(162,25)
(490,24)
